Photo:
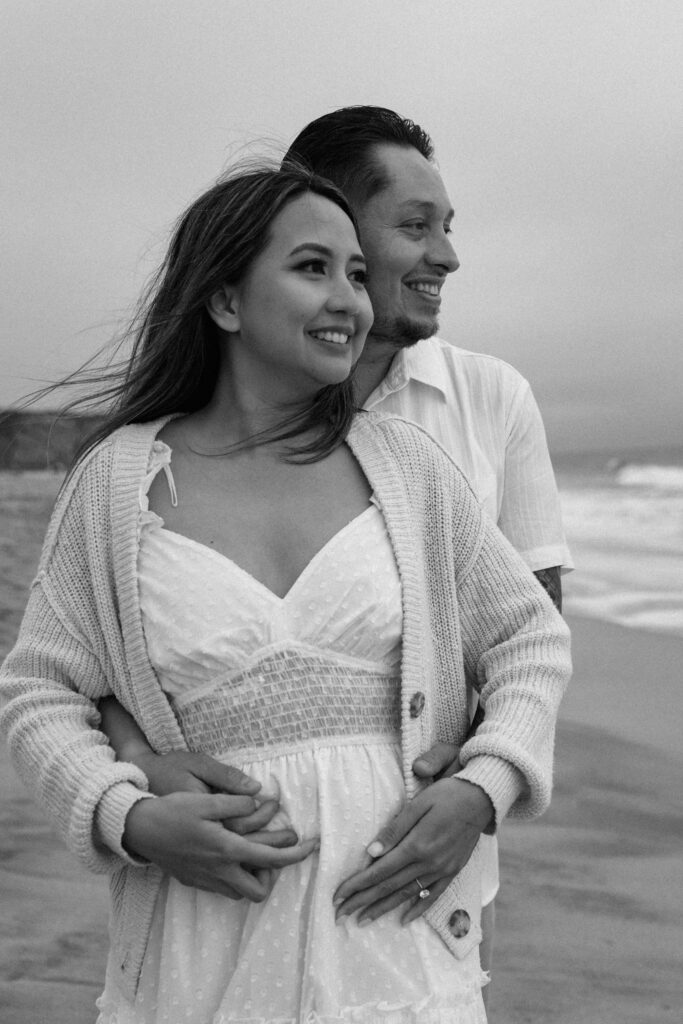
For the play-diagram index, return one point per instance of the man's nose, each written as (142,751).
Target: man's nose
(442,254)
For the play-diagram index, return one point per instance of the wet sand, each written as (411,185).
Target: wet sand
(590,929)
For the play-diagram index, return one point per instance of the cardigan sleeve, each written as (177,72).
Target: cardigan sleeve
(516,650)
(49,684)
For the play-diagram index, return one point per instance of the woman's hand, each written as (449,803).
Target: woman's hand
(430,839)
(184,835)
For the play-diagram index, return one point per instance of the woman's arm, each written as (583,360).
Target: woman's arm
(517,646)
(98,805)
(50,721)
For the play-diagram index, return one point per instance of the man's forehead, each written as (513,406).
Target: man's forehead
(411,179)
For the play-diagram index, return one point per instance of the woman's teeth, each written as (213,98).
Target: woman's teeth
(334,336)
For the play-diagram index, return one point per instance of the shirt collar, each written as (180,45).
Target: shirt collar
(420,363)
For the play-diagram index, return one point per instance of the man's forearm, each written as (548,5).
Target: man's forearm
(551,581)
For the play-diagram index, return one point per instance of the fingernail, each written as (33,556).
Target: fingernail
(337,901)
(363,922)
(375,849)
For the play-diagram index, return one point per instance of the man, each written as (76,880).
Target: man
(479,408)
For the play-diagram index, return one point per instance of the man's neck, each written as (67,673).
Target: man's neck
(372,368)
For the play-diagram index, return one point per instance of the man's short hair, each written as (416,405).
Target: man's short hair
(338,146)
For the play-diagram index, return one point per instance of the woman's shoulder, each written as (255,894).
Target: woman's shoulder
(90,486)
(413,447)
(125,442)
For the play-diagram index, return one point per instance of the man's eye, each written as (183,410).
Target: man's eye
(416,225)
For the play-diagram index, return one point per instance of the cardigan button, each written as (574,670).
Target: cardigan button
(417,704)
(459,923)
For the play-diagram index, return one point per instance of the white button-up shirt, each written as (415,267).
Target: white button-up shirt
(483,413)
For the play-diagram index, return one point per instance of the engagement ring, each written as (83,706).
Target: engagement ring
(424,893)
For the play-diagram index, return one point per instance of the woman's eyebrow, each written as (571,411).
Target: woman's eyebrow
(324,250)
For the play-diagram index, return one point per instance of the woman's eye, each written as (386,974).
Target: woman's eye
(360,276)
(314,266)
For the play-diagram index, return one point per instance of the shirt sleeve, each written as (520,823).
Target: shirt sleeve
(530,514)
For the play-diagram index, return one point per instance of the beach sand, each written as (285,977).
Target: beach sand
(590,929)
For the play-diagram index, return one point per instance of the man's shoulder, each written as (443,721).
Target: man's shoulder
(468,365)
(409,443)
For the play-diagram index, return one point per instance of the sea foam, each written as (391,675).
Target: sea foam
(624,525)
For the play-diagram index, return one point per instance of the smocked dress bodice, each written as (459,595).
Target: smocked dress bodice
(302,693)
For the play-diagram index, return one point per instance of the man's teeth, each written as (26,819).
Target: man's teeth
(430,289)
(334,336)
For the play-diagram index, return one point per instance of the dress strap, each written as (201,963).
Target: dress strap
(159,461)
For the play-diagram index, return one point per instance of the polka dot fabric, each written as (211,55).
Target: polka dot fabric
(336,639)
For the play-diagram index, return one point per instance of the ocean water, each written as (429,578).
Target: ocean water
(624,523)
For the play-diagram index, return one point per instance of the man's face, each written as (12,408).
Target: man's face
(405,235)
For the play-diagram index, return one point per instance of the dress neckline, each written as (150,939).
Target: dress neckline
(161,461)
(256,583)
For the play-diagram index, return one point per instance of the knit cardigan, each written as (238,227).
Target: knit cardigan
(470,608)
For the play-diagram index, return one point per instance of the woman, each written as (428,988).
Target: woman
(256,576)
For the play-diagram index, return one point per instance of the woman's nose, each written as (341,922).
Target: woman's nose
(344,297)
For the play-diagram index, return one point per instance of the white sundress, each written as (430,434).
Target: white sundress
(301,693)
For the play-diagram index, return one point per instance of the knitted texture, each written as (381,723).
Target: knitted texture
(469,605)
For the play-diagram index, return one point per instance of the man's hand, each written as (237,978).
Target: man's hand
(440,761)
(184,835)
(183,771)
(430,839)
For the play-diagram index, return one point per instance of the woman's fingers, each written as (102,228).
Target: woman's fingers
(396,829)
(391,891)
(418,907)
(409,894)
(248,823)
(260,855)
(279,838)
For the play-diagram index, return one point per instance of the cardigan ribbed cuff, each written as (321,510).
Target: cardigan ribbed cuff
(502,782)
(110,819)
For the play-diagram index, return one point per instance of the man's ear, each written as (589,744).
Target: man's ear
(223,308)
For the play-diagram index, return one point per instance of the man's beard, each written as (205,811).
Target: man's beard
(402,332)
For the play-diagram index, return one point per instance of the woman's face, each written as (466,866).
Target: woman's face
(301,312)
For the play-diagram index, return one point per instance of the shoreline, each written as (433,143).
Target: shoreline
(626,681)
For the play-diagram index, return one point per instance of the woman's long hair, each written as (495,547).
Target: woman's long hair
(175,359)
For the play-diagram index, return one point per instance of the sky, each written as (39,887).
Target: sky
(558,130)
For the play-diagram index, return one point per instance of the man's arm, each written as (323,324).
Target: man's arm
(551,581)
(186,771)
